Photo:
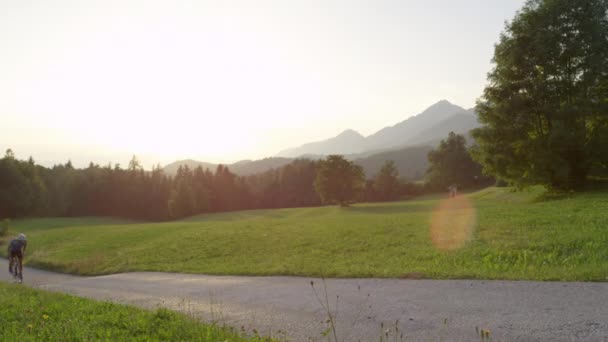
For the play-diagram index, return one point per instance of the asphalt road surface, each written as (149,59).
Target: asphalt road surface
(426,310)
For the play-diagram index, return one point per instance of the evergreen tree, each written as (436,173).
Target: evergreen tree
(387,182)
(21,187)
(201,190)
(182,199)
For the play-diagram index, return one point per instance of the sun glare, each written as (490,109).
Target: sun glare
(227,81)
(453,223)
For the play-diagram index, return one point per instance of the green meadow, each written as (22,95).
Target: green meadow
(508,235)
(34,315)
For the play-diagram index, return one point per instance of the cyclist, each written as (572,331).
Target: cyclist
(16,249)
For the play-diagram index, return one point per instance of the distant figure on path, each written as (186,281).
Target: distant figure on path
(16,249)
(453,190)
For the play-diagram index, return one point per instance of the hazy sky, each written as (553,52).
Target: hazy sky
(227,80)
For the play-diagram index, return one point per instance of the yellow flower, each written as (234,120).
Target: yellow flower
(45,316)
(30,327)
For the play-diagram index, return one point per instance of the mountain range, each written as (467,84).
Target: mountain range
(428,127)
(407,143)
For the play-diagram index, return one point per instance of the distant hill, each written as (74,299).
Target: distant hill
(460,123)
(250,167)
(171,169)
(432,124)
(411,162)
(241,168)
(399,134)
(407,143)
(346,142)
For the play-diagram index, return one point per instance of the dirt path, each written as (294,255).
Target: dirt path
(429,310)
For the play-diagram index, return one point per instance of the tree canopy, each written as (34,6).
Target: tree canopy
(450,163)
(544,112)
(339,181)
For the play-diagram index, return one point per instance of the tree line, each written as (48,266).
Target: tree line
(28,189)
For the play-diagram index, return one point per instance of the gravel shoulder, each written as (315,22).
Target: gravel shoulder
(429,310)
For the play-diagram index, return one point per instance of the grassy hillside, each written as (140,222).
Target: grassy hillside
(34,315)
(493,234)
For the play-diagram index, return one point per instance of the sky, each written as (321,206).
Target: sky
(222,81)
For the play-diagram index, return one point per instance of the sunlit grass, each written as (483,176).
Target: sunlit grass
(34,315)
(516,236)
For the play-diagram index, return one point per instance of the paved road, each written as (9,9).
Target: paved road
(429,310)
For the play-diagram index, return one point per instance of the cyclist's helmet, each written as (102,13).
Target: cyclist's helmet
(21,237)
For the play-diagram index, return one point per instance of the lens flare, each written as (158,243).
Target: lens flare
(452,223)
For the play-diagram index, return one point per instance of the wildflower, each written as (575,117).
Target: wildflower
(45,316)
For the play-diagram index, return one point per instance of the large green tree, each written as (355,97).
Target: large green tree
(544,112)
(450,163)
(339,181)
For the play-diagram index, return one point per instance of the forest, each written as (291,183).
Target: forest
(29,189)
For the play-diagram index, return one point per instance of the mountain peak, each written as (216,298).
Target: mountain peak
(398,134)
(350,133)
(442,105)
(347,142)
(442,108)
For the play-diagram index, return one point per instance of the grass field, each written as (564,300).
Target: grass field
(34,315)
(515,236)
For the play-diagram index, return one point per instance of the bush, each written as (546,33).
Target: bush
(4,227)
